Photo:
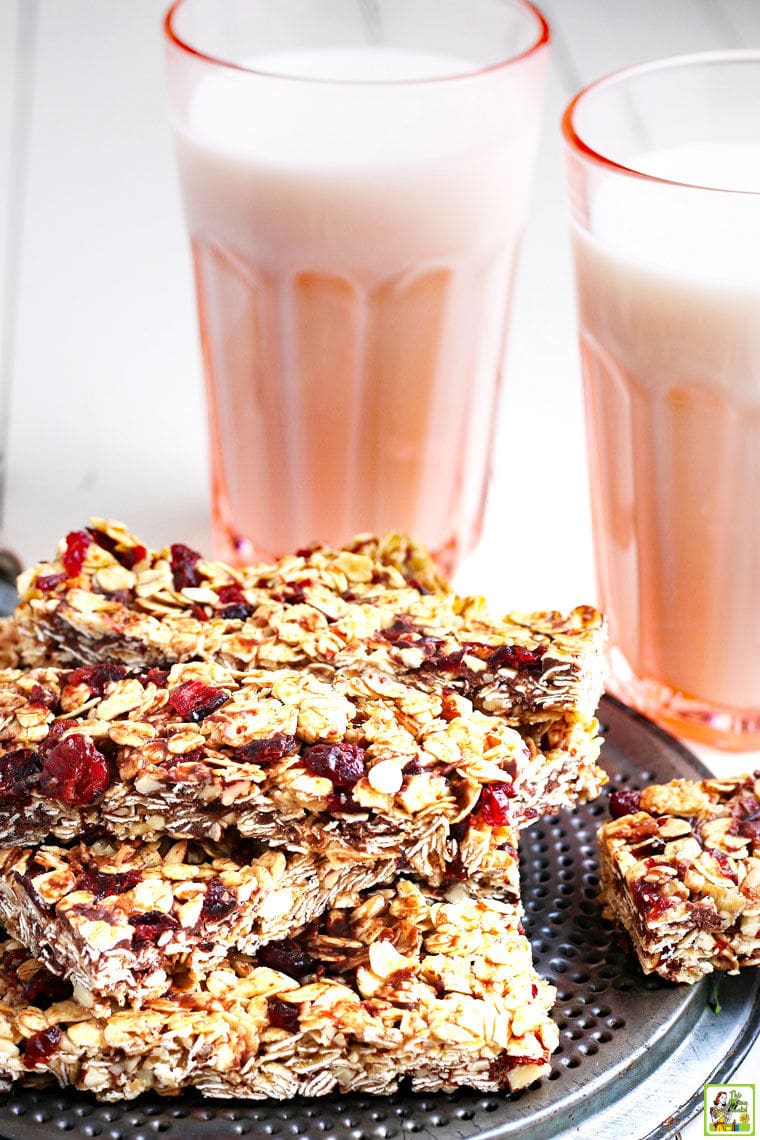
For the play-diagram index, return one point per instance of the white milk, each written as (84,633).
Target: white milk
(354,248)
(669,299)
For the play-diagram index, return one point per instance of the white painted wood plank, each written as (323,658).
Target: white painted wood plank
(107,404)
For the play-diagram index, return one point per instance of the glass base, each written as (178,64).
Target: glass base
(730,729)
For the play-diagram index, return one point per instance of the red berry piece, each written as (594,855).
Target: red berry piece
(218,902)
(650,848)
(77,544)
(446,662)
(341,763)
(41,1046)
(184,564)
(43,698)
(74,772)
(624,802)
(746,818)
(194,700)
(233,602)
(132,555)
(19,770)
(343,803)
(268,750)
(47,582)
(724,863)
(157,677)
(103,886)
(282,1014)
(287,957)
(516,657)
(11,962)
(150,926)
(97,677)
(493,805)
(128,557)
(44,988)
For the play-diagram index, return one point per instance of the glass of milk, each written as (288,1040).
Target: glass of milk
(663,164)
(355,175)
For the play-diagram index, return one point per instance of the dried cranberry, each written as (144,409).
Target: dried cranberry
(11,962)
(746,814)
(725,864)
(649,848)
(40,1046)
(150,926)
(74,772)
(46,582)
(218,902)
(18,771)
(402,631)
(295,593)
(102,539)
(282,1014)
(103,886)
(343,802)
(194,700)
(197,611)
(447,662)
(128,557)
(493,805)
(44,988)
(42,697)
(516,657)
(132,555)
(267,750)
(184,564)
(97,677)
(77,544)
(749,829)
(157,677)
(234,604)
(648,900)
(287,957)
(341,763)
(624,802)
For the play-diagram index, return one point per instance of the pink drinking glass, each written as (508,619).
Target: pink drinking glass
(663,164)
(355,183)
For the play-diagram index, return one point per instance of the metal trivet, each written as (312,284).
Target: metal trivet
(635,1052)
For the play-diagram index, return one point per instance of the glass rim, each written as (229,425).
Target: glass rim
(574,140)
(542,39)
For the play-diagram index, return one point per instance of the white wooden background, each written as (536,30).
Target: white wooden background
(99,362)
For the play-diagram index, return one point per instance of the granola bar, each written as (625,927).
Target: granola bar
(351,767)
(680,866)
(119,919)
(406,984)
(107,597)
(9,643)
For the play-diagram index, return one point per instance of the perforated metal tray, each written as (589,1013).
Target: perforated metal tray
(635,1052)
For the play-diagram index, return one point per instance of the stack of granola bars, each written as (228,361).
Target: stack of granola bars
(258,827)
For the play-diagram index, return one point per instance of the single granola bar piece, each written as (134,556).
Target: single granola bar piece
(118,919)
(439,989)
(354,767)
(680,870)
(107,597)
